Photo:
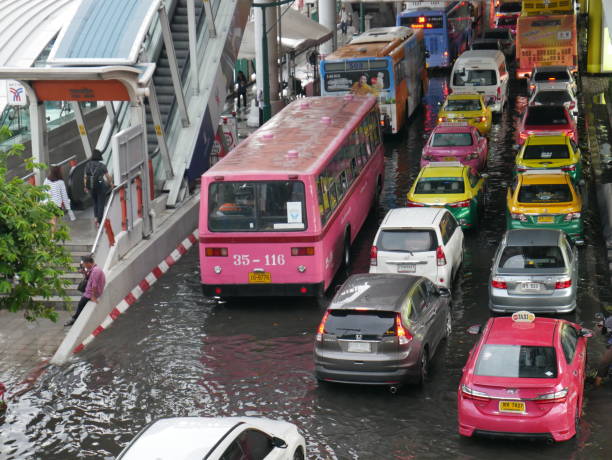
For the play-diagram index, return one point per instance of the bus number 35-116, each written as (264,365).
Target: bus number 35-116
(273,259)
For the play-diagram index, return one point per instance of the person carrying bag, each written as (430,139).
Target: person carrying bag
(98,182)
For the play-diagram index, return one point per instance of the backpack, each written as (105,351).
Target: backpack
(95,175)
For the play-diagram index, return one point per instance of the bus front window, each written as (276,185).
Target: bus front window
(256,206)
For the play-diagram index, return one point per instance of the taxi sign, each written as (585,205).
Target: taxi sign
(453,124)
(523,316)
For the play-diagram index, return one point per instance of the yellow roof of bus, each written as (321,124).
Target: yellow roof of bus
(377,47)
(310,127)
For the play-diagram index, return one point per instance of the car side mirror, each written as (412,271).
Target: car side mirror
(278,442)
(586,333)
(474,330)
(444,292)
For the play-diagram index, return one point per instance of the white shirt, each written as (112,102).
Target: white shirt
(57,193)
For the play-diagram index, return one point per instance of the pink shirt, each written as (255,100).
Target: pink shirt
(95,284)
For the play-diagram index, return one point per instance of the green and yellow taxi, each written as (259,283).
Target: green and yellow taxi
(545,199)
(470,108)
(550,151)
(453,186)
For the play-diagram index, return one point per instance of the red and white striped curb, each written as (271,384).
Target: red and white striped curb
(142,287)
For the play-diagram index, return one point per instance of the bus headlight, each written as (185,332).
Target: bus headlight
(217,269)
(301,268)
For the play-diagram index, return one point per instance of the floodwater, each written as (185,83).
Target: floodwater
(175,354)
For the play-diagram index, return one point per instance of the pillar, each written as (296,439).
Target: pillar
(327,18)
(272,61)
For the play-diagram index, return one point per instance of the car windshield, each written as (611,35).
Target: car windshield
(552,97)
(451,140)
(531,257)
(367,324)
(510,7)
(541,116)
(507,21)
(517,361)
(407,240)
(551,75)
(545,193)
(462,105)
(439,185)
(499,34)
(485,46)
(546,152)
(474,77)
(256,206)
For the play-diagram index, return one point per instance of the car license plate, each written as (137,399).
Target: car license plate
(406,268)
(531,286)
(359,347)
(545,219)
(450,159)
(511,406)
(260,277)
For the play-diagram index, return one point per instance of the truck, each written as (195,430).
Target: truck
(545,40)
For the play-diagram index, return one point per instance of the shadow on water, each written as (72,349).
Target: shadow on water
(175,353)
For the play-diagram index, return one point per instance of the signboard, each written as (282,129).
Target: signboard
(15,93)
(80,90)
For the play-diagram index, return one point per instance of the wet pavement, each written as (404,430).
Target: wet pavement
(174,353)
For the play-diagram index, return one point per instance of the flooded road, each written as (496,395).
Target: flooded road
(175,354)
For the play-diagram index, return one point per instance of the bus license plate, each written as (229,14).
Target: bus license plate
(531,286)
(545,219)
(511,406)
(406,268)
(260,277)
(359,347)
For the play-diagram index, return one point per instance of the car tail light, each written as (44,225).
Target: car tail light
(564,283)
(572,105)
(460,204)
(414,204)
(518,216)
(304,251)
(216,252)
(321,329)
(373,256)
(531,87)
(570,133)
(441,119)
(569,168)
(524,135)
(499,283)
(483,119)
(403,335)
(440,257)
(469,393)
(558,396)
(445,53)
(498,92)
(572,216)
(552,79)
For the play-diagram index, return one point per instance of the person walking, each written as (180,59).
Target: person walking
(241,81)
(97,182)
(343,20)
(95,286)
(57,193)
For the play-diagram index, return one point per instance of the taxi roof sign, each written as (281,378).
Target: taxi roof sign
(523,316)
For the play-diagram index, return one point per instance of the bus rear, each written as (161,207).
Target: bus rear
(546,41)
(434,26)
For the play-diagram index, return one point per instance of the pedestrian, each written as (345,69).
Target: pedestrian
(241,81)
(57,193)
(95,286)
(97,182)
(606,359)
(343,20)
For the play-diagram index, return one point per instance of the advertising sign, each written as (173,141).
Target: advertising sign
(15,93)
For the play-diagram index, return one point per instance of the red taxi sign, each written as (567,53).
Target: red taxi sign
(523,316)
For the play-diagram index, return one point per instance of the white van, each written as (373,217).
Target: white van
(483,72)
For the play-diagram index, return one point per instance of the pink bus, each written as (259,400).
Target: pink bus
(279,213)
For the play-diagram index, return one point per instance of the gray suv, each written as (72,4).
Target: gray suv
(382,329)
(535,270)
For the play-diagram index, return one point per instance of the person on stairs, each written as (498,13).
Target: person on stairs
(57,192)
(95,286)
(97,182)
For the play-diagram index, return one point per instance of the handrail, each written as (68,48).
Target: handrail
(63,162)
(106,210)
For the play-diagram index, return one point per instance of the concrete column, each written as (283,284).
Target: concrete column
(272,62)
(38,132)
(327,18)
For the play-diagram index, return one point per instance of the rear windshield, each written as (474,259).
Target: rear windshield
(462,105)
(545,193)
(370,325)
(551,75)
(511,7)
(485,46)
(451,140)
(552,97)
(507,21)
(540,116)
(474,77)
(546,152)
(439,185)
(407,240)
(517,361)
(528,257)
(499,34)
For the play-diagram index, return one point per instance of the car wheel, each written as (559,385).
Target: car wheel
(448,329)
(298,454)
(424,367)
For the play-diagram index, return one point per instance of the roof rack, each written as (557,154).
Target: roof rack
(444,164)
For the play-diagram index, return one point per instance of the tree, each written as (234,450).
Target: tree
(32,256)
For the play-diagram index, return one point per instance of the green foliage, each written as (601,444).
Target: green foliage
(32,257)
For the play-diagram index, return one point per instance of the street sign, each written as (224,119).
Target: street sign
(15,93)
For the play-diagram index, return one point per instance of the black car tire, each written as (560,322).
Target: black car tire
(424,366)
(298,454)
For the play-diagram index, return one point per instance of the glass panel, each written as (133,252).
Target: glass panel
(546,152)
(407,240)
(552,97)
(422,22)
(440,185)
(475,77)
(538,116)
(451,140)
(517,361)
(371,325)
(531,257)
(462,105)
(545,193)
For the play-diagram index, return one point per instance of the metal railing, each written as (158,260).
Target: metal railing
(113,212)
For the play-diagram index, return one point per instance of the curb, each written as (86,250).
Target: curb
(141,288)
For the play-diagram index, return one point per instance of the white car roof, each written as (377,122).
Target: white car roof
(412,217)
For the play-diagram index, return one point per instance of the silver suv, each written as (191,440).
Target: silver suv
(382,329)
(535,270)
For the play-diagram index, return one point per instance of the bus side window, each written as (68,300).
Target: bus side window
(323,201)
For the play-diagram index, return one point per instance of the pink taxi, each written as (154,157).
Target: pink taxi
(456,142)
(524,378)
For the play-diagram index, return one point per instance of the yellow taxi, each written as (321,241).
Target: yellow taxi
(550,151)
(545,199)
(469,108)
(451,185)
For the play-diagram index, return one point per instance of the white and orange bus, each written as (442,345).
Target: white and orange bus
(278,214)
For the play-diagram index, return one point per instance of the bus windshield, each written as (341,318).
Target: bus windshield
(361,77)
(475,77)
(265,206)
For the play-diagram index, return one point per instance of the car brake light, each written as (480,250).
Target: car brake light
(403,335)
(440,257)
(552,79)
(524,135)
(373,256)
(499,283)
(321,329)
(569,133)
(304,251)
(569,168)
(558,396)
(518,216)
(460,204)
(572,105)
(414,204)
(441,119)
(445,53)
(216,252)
(531,87)
(572,216)
(483,119)
(564,283)
(499,92)
(469,393)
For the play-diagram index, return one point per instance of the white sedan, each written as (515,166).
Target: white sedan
(218,438)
